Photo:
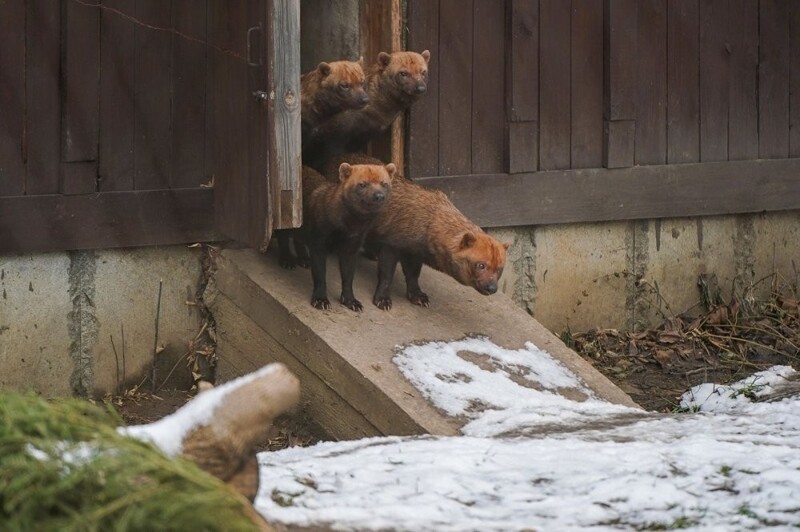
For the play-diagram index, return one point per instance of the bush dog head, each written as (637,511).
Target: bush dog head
(478,261)
(408,71)
(367,187)
(334,87)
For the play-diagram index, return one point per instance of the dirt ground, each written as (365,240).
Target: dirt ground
(723,345)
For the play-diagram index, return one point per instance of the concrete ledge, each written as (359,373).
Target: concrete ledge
(344,359)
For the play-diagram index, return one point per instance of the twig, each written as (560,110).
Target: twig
(155,342)
(116,357)
(174,367)
(122,328)
(744,341)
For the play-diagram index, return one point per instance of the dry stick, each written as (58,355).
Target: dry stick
(122,328)
(116,358)
(766,330)
(155,341)
(186,354)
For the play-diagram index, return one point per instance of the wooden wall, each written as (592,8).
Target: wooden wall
(543,85)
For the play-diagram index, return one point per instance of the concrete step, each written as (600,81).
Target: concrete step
(351,387)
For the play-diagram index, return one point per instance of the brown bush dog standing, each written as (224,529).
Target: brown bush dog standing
(330,89)
(325,91)
(337,215)
(422,226)
(395,82)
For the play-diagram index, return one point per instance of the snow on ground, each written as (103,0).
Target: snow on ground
(723,469)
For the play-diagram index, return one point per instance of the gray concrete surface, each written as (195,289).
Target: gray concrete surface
(344,359)
(631,275)
(60,311)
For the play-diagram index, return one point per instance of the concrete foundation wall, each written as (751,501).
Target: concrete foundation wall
(631,275)
(60,311)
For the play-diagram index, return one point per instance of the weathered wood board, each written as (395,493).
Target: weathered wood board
(350,385)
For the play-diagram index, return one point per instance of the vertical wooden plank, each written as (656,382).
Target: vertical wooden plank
(523,57)
(743,110)
(651,98)
(773,80)
(714,86)
(422,149)
(375,21)
(455,86)
(683,82)
(12,98)
(42,96)
(522,85)
(117,64)
(284,118)
(554,84)
(620,31)
(80,107)
(188,93)
(153,71)
(794,103)
(227,37)
(394,27)
(488,79)
(256,205)
(587,84)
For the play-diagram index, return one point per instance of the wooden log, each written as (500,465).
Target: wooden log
(225,445)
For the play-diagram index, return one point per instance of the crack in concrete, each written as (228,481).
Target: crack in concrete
(522,256)
(638,258)
(744,260)
(82,320)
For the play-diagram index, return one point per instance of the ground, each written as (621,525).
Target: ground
(654,367)
(723,345)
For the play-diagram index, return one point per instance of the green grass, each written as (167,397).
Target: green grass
(63,466)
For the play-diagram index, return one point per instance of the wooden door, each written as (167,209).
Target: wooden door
(255,61)
(147,122)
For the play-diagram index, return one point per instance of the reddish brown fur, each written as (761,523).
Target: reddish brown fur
(394,83)
(424,224)
(338,214)
(329,89)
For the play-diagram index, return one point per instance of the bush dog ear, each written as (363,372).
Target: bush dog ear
(467,240)
(324,69)
(384,59)
(426,55)
(345,171)
(361,61)
(391,169)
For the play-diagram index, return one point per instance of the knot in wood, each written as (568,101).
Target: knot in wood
(290,99)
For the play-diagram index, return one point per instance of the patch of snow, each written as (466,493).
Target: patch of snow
(735,469)
(168,433)
(507,390)
(711,397)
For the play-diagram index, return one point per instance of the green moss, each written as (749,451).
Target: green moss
(63,466)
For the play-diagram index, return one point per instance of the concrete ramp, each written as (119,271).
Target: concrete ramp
(351,387)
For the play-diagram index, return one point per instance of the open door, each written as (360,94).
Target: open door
(255,96)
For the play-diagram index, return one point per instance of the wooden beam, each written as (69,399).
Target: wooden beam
(639,192)
(283,65)
(106,220)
